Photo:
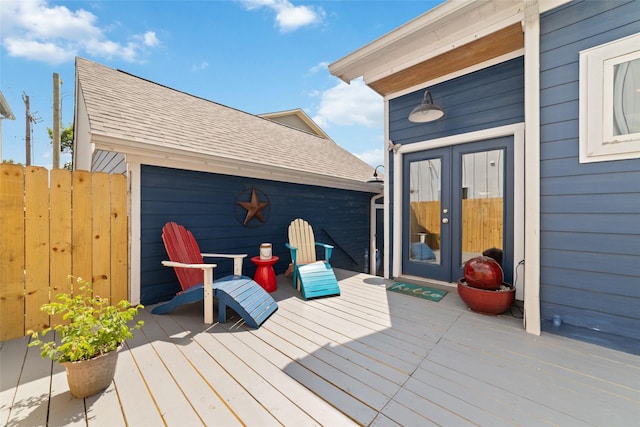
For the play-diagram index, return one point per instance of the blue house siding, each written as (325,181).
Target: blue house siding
(590,213)
(484,99)
(206,204)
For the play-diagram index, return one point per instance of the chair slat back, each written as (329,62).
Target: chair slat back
(182,247)
(301,236)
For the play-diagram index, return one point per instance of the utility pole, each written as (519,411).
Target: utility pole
(28,120)
(56,121)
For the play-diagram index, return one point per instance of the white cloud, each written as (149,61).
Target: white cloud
(35,50)
(288,16)
(346,105)
(319,67)
(200,66)
(54,34)
(373,157)
(150,39)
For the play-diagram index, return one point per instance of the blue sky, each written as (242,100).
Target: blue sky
(259,56)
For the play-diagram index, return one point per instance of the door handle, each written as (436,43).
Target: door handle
(445,220)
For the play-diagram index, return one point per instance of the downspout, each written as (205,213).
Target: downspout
(531,27)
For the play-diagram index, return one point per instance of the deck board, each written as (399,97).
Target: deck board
(263,379)
(170,400)
(103,410)
(139,407)
(31,399)
(196,391)
(12,356)
(367,357)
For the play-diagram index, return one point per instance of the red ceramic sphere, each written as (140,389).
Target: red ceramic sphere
(485,301)
(483,273)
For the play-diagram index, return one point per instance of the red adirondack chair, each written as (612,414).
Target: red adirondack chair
(236,291)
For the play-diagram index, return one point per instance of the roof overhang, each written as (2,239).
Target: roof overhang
(455,36)
(5,109)
(156,155)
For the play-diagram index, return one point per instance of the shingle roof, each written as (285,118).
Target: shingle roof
(128,107)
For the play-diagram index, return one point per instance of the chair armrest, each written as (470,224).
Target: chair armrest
(237,260)
(324,245)
(294,251)
(328,249)
(207,285)
(183,265)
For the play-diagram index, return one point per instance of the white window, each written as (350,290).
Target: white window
(610,101)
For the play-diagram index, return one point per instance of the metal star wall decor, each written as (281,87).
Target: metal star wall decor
(254,207)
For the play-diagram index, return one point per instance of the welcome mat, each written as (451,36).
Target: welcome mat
(417,291)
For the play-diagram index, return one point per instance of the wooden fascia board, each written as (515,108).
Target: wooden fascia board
(484,49)
(151,154)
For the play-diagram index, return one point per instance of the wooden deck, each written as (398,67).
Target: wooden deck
(367,357)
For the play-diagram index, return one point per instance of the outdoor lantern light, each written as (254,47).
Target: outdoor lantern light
(427,111)
(375,175)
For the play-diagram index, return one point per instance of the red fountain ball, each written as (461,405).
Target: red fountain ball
(483,273)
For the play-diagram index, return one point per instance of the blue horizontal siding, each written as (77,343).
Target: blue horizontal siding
(616,182)
(595,261)
(590,204)
(623,244)
(481,100)
(595,327)
(590,255)
(205,203)
(572,275)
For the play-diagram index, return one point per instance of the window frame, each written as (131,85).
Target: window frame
(597,142)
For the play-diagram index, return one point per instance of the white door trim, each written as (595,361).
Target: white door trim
(515,130)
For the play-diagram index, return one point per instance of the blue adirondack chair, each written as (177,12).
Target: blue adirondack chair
(238,292)
(311,277)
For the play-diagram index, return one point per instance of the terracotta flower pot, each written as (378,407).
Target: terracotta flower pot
(88,377)
(486,301)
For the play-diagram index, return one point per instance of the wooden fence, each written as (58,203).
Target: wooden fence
(56,224)
(482,222)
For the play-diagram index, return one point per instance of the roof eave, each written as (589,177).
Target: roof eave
(435,33)
(179,158)
(5,109)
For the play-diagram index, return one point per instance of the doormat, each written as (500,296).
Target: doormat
(417,291)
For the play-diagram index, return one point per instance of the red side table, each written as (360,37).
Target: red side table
(265,275)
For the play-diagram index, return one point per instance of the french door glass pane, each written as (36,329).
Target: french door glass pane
(482,202)
(425,205)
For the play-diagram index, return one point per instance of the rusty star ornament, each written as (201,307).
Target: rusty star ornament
(254,208)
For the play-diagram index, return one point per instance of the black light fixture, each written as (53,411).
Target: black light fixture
(427,111)
(375,175)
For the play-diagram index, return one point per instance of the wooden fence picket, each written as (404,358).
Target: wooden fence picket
(56,224)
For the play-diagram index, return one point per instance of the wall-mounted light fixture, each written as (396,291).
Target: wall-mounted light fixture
(427,111)
(375,175)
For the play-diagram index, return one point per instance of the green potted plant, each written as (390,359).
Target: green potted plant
(88,337)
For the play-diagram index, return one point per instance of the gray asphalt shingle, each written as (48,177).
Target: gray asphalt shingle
(128,107)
